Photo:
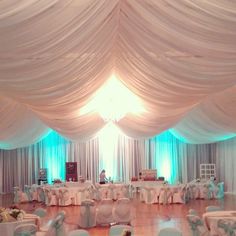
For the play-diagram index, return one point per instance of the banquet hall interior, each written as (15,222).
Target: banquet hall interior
(143,89)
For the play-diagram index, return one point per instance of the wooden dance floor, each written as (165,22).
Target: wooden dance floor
(148,219)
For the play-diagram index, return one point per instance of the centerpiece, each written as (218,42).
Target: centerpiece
(11,214)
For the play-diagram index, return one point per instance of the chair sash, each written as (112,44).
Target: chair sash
(192,212)
(28,192)
(40,212)
(41,194)
(16,191)
(131,191)
(57,224)
(219,190)
(228,226)
(187,194)
(196,225)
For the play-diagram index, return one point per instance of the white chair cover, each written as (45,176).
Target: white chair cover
(78,232)
(116,230)
(64,197)
(165,196)
(87,214)
(205,192)
(170,232)
(104,211)
(25,230)
(194,191)
(50,198)
(122,211)
(79,196)
(149,195)
(179,196)
(19,196)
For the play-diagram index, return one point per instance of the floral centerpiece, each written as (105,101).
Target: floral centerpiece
(11,214)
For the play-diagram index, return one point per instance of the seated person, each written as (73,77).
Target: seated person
(102,177)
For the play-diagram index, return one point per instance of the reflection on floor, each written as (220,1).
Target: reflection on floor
(149,219)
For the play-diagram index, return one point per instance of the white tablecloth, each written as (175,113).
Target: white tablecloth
(139,184)
(87,183)
(211,220)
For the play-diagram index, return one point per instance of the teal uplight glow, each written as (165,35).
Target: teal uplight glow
(216,138)
(178,136)
(54,156)
(166,156)
(226,137)
(13,144)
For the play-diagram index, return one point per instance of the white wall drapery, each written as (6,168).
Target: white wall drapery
(175,160)
(178,57)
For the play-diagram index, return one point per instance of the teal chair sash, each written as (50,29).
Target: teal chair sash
(87,204)
(228,226)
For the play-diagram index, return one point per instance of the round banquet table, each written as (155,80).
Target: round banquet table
(7,229)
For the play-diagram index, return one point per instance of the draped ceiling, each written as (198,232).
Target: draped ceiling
(178,57)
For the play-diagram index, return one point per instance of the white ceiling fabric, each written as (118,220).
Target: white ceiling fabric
(19,126)
(178,57)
